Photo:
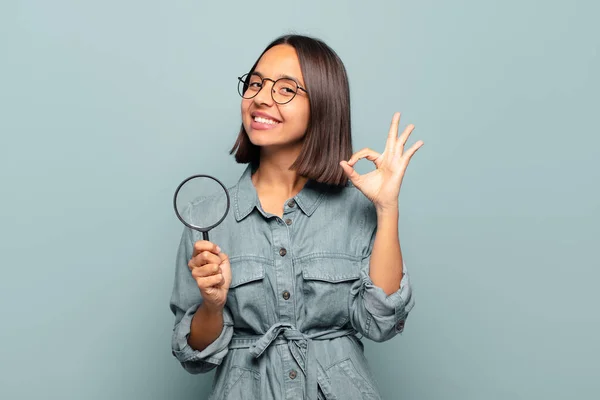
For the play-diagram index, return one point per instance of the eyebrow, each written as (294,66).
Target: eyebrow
(280,76)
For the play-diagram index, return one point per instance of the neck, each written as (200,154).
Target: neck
(274,175)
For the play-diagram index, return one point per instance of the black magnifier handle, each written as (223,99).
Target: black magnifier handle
(205,235)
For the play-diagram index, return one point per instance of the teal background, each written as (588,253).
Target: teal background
(106,106)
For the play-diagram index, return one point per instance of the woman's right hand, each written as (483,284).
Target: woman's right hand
(212,272)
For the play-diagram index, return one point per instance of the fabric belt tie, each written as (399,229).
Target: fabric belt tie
(300,346)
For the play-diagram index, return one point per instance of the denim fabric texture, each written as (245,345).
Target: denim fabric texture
(300,301)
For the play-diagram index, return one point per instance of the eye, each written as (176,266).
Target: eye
(254,83)
(254,79)
(286,87)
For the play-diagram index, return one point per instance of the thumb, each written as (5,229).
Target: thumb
(225,269)
(350,173)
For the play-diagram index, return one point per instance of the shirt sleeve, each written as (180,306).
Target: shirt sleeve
(185,300)
(374,314)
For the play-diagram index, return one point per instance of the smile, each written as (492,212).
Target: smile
(263,120)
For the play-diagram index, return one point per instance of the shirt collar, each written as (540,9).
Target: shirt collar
(245,198)
(244,195)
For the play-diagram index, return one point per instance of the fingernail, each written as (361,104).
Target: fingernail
(218,249)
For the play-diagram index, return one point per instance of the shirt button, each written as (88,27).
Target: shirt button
(293,374)
(286,295)
(288,221)
(282,252)
(291,204)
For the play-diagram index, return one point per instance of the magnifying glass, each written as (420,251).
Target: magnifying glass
(191,199)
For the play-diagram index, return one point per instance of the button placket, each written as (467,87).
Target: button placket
(283,269)
(289,211)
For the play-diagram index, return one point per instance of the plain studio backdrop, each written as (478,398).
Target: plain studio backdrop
(106,106)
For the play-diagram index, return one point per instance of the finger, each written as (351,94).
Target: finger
(367,153)
(202,259)
(351,173)
(206,270)
(205,245)
(209,281)
(225,268)
(206,257)
(403,138)
(412,150)
(224,258)
(390,144)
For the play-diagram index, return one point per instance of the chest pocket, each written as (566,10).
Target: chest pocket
(326,287)
(246,296)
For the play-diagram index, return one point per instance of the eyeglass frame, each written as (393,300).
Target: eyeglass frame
(246,75)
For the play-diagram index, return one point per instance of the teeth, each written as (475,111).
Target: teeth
(265,120)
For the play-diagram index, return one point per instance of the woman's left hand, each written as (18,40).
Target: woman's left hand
(382,186)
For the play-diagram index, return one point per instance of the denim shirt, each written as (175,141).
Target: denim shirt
(300,299)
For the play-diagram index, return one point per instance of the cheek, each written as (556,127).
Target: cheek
(305,111)
(245,114)
(245,104)
(300,117)
(303,119)
(306,117)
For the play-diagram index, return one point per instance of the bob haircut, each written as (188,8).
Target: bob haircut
(328,138)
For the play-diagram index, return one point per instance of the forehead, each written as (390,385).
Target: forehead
(280,60)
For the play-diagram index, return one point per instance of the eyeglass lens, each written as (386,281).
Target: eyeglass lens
(283,90)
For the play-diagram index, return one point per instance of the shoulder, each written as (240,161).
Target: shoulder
(203,208)
(350,196)
(350,201)
(213,194)
(208,202)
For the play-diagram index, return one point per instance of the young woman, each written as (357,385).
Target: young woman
(308,261)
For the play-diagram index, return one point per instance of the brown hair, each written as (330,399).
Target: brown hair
(328,138)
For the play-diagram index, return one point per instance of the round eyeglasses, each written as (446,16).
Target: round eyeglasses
(283,91)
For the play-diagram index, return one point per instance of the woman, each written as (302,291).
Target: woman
(308,262)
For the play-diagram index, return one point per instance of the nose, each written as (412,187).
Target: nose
(264,94)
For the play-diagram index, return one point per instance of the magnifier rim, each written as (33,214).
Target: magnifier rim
(194,226)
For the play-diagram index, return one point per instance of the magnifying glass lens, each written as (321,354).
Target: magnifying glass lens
(201,202)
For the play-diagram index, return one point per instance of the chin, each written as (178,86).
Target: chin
(264,142)
(261,137)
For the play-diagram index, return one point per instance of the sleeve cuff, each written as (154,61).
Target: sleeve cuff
(397,305)
(214,353)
